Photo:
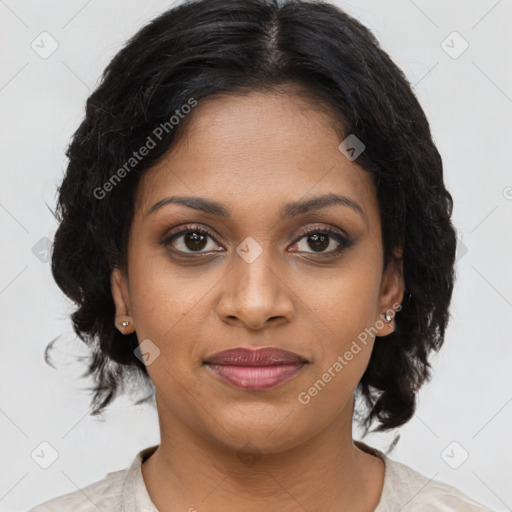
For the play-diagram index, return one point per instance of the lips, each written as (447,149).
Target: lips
(255,369)
(255,357)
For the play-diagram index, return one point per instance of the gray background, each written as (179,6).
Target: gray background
(468,101)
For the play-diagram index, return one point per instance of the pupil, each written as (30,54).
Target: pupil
(319,242)
(195,241)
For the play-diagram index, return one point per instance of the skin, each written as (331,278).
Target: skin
(253,154)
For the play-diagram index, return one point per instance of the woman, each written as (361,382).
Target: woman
(254,222)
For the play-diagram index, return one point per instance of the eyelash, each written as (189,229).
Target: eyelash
(341,239)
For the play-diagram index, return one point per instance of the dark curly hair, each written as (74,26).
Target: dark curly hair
(205,47)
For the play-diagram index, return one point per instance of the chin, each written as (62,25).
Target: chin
(260,433)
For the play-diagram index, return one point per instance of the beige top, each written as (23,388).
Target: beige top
(404,489)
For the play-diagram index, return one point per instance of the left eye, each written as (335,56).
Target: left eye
(321,239)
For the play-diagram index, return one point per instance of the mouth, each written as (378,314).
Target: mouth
(255,369)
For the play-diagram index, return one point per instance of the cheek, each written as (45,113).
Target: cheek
(341,316)
(170,308)
(340,365)
(160,295)
(342,304)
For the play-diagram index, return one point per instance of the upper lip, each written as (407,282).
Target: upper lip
(268,356)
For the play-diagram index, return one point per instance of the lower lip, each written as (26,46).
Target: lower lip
(256,377)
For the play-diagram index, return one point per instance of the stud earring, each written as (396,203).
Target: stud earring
(388,317)
(125,323)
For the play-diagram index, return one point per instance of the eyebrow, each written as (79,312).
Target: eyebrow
(289,210)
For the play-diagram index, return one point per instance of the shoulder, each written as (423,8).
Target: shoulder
(105,494)
(415,492)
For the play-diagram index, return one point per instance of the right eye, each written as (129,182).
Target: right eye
(190,240)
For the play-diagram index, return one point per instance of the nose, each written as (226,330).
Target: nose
(255,294)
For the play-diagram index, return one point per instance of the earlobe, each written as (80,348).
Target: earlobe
(119,289)
(385,324)
(391,296)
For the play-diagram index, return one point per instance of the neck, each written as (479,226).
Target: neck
(189,471)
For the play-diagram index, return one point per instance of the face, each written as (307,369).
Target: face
(256,272)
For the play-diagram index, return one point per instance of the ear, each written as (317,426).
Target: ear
(391,294)
(121,297)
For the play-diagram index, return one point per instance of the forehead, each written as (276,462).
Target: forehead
(259,149)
